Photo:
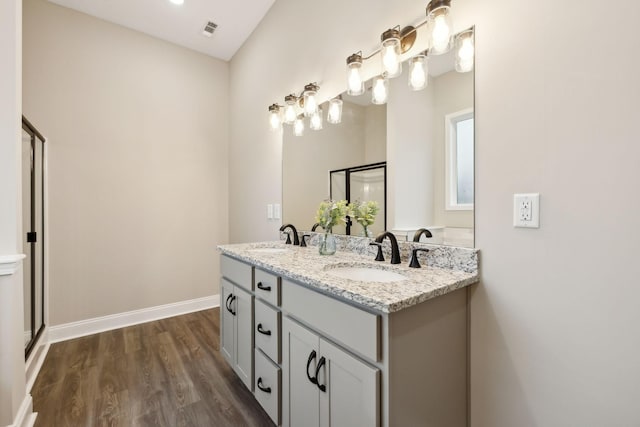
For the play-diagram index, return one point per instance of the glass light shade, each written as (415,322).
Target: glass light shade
(290,113)
(390,53)
(355,84)
(418,73)
(465,52)
(379,91)
(310,101)
(274,117)
(439,25)
(315,122)
(334,115)
(298,127)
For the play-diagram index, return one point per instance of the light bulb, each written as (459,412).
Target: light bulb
(298,126)
(391,53)
(379,90)
(274,117)
(465,52)
(334,115)
(310,102)
(440,35)
(418,73)
(355,84)
(439,26)
(315,122)
(290,109)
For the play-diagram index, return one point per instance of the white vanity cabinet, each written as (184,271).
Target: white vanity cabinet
(325,385)
(236,318)
(313,358)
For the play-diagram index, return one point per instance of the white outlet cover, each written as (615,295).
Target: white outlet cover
(269,211)
(276,211)
(526,205)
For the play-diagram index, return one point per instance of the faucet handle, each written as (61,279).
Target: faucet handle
(303,243)
(414,257)
(379,256)
(288,242)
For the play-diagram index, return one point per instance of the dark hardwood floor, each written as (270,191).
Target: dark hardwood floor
(164,373)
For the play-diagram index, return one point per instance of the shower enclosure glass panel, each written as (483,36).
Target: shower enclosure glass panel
(33,236)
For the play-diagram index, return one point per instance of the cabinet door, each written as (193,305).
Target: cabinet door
(243,306)
(300,404)
(351,389)
(227,320)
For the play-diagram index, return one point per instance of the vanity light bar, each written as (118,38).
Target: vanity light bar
(393,43)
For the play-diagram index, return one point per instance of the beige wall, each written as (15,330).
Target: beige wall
(554,340)
(138,136)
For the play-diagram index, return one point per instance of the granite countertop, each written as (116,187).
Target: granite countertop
(304,264)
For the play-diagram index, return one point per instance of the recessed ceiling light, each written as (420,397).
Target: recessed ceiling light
(178,2)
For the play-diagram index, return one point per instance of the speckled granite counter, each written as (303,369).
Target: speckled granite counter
(304,264)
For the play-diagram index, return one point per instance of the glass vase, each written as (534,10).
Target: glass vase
(366,232)
(327,245)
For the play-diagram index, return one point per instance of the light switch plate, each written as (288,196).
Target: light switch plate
(526,210)
(269,211)
(276,211)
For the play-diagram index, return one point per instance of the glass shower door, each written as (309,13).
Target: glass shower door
(33,233)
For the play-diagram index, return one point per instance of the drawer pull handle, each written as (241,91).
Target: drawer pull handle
(262,331)
(321,363)
(263,287)
(311,357)
(261,387)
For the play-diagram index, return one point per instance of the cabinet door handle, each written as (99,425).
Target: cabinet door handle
(233,298)
(311,357)
(227,303)
(321,363)
(261,387)
(263,287)
(262,331)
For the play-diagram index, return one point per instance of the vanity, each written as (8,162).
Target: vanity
(346,341)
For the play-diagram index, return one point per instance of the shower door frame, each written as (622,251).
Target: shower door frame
(347,174)
(33,133)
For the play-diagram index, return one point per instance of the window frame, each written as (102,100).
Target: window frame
(451,161)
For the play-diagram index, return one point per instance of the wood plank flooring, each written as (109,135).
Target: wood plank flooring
(164,373)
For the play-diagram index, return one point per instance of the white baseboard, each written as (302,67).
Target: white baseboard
(82,328)
(25,416)
(36,358)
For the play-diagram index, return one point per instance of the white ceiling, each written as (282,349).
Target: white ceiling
(182,24)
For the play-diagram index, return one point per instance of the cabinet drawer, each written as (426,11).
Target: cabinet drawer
(352,327)
(237,272)
(267,386)
(267,287)
(267,330)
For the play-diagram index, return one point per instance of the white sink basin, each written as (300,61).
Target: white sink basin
(365,274)
(269,250)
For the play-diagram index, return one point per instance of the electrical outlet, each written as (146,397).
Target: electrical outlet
(269,211)
(526,210)
(276,211)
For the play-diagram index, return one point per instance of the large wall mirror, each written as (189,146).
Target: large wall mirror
(426,138)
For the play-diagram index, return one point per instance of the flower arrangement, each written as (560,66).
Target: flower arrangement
(364,213)
(331,213)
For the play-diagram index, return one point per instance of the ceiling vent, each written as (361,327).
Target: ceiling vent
(209,28)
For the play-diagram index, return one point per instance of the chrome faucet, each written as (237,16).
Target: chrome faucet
(296,240)
(420,232)
(395,251)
